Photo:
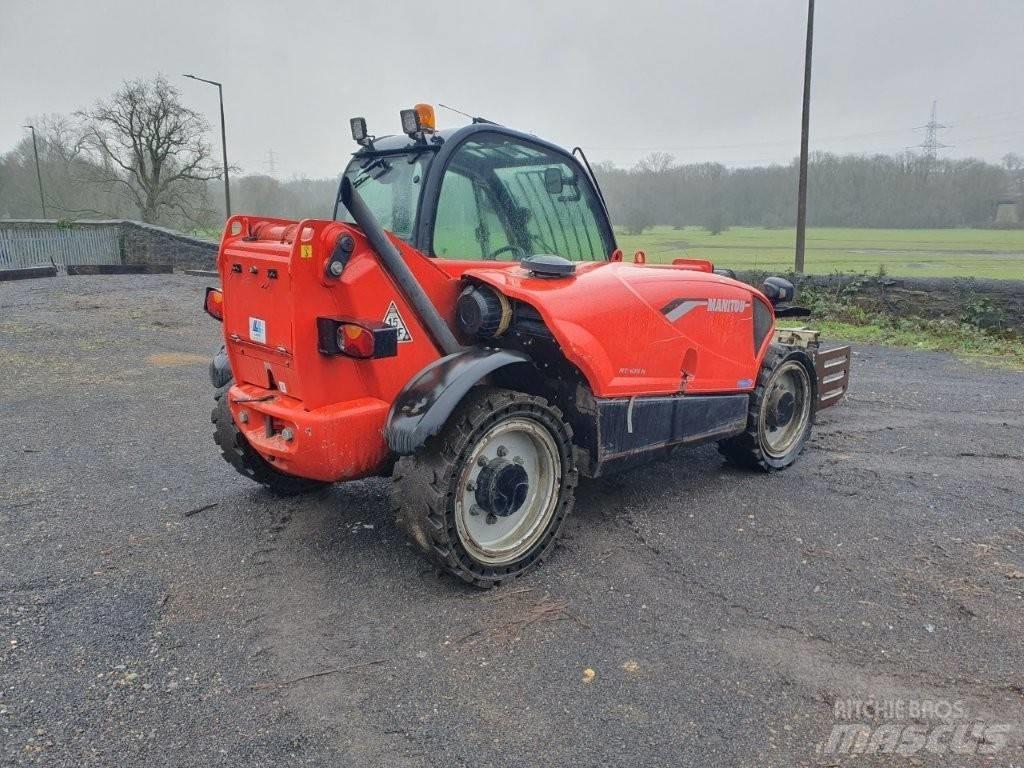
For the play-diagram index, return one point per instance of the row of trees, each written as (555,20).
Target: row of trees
(898,191)
(143,154)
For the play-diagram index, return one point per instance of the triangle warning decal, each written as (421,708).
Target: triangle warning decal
(394,319)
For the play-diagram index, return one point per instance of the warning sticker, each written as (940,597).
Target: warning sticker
(306,252)
(394,319)
(258,330)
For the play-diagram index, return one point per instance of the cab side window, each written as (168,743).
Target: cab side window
(466,226)
(506,199)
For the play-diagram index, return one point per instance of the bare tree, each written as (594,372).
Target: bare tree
(153,147)
(656,162)
(75,184)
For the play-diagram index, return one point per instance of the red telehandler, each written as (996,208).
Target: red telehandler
(466,324)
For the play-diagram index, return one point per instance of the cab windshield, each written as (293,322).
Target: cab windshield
(390,185)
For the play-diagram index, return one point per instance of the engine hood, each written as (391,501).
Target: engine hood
(644,329)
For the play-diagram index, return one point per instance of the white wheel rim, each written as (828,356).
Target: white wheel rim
(499,540)
(790,379)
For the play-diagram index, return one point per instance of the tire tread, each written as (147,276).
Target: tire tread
(744,450)
(423,485)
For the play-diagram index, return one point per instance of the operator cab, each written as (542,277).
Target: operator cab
(481,192)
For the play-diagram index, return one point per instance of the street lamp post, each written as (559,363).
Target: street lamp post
(39,174)
(805,127)
(223,140)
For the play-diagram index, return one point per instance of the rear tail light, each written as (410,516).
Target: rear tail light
(355,341)
(214,303)
(362,339)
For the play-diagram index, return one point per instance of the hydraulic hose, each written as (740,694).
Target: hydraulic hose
(399,270)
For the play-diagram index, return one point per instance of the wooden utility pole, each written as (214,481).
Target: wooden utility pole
(805,127)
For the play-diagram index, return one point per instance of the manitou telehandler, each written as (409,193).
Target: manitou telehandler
(466,324)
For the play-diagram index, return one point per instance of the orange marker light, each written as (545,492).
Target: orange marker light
(426,115)
(214,303)
(355,341)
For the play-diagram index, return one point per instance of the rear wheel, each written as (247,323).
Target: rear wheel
(485,499)
(237,452)
(781,413)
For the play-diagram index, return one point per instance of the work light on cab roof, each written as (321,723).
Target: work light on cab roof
(418,121)
(359,133)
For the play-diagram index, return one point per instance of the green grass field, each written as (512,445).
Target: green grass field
(905,252)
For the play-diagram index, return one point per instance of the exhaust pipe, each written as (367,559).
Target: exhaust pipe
(393,262)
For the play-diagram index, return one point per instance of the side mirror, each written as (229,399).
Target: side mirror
(553,181)
(778,290)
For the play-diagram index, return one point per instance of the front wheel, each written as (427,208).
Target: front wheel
(781,413)
(485,499)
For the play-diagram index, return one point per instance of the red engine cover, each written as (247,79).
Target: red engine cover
(645,329)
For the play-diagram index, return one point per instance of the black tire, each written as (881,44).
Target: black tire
(751,449)
(238,453)
(426,485)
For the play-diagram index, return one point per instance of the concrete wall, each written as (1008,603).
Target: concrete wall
(146,244)
(131,242)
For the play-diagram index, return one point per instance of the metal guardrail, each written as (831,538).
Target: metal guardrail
(28,244)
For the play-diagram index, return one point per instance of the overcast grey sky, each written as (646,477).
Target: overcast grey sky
(704,80)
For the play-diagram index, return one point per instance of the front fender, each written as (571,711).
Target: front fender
(425,403)
(220,368)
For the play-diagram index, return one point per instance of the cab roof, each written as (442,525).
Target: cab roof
(396,143)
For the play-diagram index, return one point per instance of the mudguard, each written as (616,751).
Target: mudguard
(426,402)
(220,368)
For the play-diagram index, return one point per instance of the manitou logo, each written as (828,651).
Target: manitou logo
(726,305)
(678,308)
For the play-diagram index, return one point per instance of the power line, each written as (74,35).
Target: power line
(931,143)
(1014,115)
(990,138)
(818,140)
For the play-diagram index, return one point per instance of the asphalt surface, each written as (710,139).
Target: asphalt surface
(158,609)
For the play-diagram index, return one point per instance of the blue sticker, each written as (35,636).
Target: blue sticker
(744,383)
(257,330)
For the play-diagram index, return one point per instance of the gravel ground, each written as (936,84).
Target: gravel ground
(156,608)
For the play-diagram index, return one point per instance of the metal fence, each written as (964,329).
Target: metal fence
(28,244)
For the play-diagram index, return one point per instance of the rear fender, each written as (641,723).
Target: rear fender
(423,406)
(220,368)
